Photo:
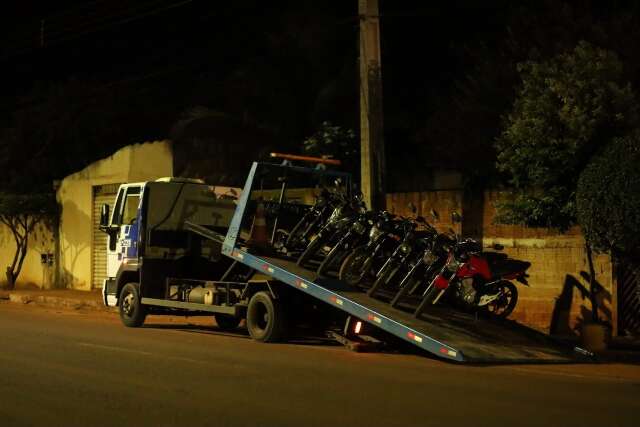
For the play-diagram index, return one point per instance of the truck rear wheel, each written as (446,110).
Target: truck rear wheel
(132,312)
(226,322)
(265,318)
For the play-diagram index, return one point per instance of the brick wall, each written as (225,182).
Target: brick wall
(556,300)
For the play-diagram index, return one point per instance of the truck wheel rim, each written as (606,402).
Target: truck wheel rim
(127,304)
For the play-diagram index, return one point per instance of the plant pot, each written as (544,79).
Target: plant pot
(595,336)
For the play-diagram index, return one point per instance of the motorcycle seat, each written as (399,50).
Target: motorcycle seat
(507,267)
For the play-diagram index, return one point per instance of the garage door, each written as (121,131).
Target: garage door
(101,194)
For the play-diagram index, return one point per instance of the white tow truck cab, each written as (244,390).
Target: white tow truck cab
(147,240)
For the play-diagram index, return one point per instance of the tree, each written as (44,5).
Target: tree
(567,108)
(21,213)
(336,142)
(608,198)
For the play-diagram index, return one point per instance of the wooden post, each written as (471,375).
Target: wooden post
(371,130)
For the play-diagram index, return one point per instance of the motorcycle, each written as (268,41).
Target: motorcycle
(341,217)
(424,265)
(355,235)
(298,238)
(363,263)
(411,244)
(476,281)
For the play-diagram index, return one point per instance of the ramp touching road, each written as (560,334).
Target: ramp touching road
(444,332)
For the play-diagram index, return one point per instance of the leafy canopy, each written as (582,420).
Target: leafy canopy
(37,205)
(337,142)
(567,108)
(608,198)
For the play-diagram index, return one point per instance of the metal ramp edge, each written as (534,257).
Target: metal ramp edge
(371,316)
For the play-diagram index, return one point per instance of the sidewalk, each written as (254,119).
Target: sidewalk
(58,298)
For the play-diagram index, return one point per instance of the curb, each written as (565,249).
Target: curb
(56,301)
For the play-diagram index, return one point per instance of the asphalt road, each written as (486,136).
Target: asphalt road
(68,368)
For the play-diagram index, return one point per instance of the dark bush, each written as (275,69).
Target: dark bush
(608,198)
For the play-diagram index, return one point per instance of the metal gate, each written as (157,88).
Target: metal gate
(629,298)
(101,194)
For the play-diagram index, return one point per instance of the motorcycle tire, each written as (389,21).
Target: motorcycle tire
(382,278)
(428,297)
(310,251)
(508,290)
(335,256)
(295,236)
(352,268)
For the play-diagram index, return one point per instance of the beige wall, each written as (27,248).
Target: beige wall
(555,301)
(140,162)
(33,272)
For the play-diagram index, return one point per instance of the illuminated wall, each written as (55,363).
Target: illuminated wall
(140,162)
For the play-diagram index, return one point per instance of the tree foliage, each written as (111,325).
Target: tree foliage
(566,109)
(336,142)
(608,198)
(21,213)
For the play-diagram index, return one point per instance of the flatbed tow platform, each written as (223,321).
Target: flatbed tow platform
(444,332)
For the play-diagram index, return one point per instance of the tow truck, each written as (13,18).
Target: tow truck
(181,247)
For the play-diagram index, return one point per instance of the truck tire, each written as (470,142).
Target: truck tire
(265,318)
(132,312)
(226,322)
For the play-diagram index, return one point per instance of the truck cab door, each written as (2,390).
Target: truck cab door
(122,244)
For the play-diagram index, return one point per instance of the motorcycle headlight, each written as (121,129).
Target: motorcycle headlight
(405,248)
(359,228)
(374,233)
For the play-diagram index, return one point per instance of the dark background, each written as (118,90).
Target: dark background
(233,80)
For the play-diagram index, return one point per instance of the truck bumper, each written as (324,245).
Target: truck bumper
(109,299)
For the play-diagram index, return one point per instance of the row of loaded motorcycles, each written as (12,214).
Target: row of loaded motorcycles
(404,261)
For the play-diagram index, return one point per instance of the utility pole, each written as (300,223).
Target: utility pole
(372,156)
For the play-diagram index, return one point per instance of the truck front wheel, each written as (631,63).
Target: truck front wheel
(265,318)
(132,312)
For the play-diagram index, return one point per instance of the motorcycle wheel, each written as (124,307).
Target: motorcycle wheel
(334,256)
(351,270)
(430,294)
(294,236)
(504,305)
(382,278)
(311,250)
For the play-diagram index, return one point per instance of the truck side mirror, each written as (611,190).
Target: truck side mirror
(104,216)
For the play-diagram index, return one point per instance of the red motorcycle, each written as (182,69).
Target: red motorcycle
(476,280)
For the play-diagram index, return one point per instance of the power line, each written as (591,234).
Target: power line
(29,42)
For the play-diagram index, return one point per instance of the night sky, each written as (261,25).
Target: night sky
(283,66)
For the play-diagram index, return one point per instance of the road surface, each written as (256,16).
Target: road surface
(66,368)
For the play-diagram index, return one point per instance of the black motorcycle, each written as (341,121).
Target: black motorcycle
(341,217)
(363,263)
(356,235)
(298,238)
(429,259)
(412,243)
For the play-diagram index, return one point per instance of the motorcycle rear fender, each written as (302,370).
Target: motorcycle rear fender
(440,282)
